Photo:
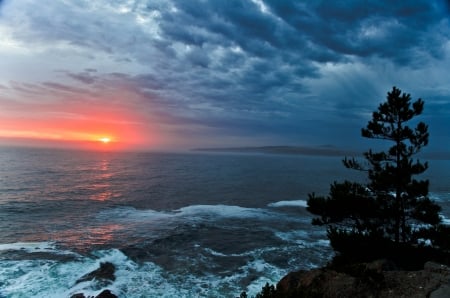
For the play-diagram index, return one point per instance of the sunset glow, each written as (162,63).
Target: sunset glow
(77,124)
(105,140)
(87,134)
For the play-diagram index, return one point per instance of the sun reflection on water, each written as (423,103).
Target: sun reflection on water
(101,185)
(85,239)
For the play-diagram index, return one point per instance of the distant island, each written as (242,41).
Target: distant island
(326,150)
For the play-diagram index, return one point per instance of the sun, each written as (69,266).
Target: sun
(105,140)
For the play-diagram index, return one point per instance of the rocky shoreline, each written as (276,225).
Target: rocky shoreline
(376,279)
(380,278)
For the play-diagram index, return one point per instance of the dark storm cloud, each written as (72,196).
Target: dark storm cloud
(388,29)
(64,88)
(246,67)
(296,34)
(84,77)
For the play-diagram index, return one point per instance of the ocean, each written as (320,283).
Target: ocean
(174,225)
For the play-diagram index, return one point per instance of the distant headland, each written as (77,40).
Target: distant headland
(325,150)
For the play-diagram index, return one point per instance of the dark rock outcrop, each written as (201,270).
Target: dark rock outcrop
(106,294)
(376,279)
(103,294)
(105,274)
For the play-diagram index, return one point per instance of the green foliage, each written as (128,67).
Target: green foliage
(349,204)
(393,207)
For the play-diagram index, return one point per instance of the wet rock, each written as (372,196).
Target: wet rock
(103,294)
(106,294)
(104,274)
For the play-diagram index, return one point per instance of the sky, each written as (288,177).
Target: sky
(181,74)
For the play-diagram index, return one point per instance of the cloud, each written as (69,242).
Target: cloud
(371,28)
(85,77)
(254,70)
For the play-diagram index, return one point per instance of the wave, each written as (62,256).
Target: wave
(48,278)
(44,277)
(29,246)
(439,197)
(294,203)
(52,279)
(224,211)
(445,220)
(193,212)
(178,259)
(35,247)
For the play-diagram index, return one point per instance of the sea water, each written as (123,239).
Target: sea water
(174,225)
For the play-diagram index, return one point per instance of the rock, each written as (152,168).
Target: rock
(106,294)
(442,273)
(103,294)
(435,267)
(317,283)
(375,279)
(441,292)
(381,265)
(104,274)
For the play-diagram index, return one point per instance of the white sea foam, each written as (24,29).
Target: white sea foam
(224,211)
(35,247)
(215,253)
(133,214)
(53,279)
(47,278)
(29,246)
(294,203)
(259,266)
(257,271)
(441,197)
(303,239)
(293,236)
(198,212)
(445,220)
(323,242)
(50,278)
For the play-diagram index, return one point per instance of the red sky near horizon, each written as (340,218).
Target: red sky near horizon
(74,123)
(79,133)
(77,116)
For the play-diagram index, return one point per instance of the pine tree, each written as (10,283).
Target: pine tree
(393,206)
